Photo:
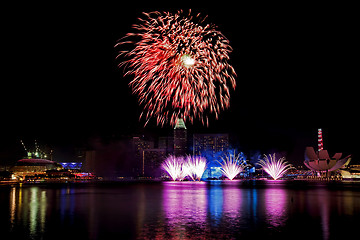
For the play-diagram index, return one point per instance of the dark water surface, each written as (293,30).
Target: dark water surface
(181,210)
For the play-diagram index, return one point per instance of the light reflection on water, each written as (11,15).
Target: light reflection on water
(29,207)
(179,210)
(185,206)
(276,207)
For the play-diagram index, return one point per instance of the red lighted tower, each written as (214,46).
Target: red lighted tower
(320,140)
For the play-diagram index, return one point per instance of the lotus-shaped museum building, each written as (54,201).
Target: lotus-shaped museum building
(321,161)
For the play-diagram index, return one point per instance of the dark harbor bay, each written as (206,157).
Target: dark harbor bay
(181,210)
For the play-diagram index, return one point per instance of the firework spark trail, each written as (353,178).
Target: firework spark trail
(276,168)
(232,165)
(180,67)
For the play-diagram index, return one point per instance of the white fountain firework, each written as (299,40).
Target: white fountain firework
(179,168)
(196,166)
(172,166)
(232,165)
(276,168)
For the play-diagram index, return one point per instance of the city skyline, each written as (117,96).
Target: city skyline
(244,129)
(295,75)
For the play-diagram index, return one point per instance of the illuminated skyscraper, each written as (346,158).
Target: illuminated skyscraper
(140,144)
(211,146)
(180,138)
(210,143)
(152,162)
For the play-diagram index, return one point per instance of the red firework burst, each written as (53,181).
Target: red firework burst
(180,67)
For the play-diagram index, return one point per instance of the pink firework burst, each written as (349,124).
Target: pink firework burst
(276,168)
(180,67)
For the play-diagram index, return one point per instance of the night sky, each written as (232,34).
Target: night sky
(295,65)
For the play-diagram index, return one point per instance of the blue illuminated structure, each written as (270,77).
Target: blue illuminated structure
(71,165)
(213,168)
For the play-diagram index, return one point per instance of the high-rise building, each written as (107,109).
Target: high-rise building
(153,158)
(211,146)
(90,161)
(167,143)
(210,143)
(140,144)
(180,138)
